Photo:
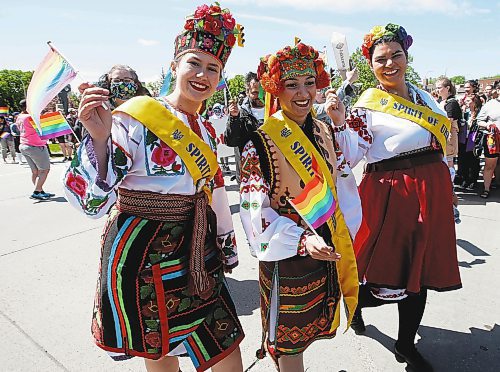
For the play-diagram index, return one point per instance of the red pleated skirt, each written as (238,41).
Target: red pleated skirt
(407,236)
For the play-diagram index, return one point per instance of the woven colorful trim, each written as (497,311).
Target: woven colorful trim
(301,60)
(390,29)
(210,29)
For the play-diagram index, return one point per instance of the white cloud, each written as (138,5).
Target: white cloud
(451,7)
(146,42)
(305,27)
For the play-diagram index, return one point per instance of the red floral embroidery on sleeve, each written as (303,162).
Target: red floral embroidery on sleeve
(357,122)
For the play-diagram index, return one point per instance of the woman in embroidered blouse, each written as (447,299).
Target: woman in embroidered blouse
(406,242)
(165,247)
(298,276)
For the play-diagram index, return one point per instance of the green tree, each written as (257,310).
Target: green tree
(13,86)
(236,85)
(457,80)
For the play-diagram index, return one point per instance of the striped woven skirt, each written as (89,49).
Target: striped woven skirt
(144,306)
(298,296)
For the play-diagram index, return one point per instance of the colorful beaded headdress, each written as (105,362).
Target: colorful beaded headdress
(210,30)
(391,30)
(288,62)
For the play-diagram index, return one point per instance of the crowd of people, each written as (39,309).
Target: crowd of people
(149,166)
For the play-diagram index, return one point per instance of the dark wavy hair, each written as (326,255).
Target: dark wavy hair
(474,84)
(388,39)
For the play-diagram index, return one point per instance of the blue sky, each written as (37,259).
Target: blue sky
(455,37)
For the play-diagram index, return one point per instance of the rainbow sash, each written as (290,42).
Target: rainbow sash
(300,152)
(377,100)
(199,158)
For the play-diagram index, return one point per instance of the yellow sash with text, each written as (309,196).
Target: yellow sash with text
(198,156)
(377,100)
(299,151)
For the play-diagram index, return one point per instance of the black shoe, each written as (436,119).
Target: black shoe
(357,324)
(413,358)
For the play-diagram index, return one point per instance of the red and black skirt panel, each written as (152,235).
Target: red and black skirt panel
(407,236)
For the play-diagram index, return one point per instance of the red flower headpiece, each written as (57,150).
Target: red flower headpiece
(288,62)
(210,29)
(391,30)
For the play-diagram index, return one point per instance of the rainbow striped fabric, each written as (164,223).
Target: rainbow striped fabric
(316,203)
(4,110)
(5,135)
(50,77)
(52,124)
(222,84)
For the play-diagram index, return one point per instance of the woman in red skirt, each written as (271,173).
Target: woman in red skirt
(406,243)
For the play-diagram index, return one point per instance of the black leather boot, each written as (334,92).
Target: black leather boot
(357,324)
(412,357)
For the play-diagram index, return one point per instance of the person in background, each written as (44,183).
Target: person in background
(471,88)
(7,140)
(490,92)
(16,133)
(489,118)
(472,166)
(446,91)
(241,97)
(345,93)
(35,152)
(244,119)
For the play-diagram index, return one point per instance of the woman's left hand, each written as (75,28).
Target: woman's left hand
(334,107)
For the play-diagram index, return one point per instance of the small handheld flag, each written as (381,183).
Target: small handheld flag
(4,110)
(53,124)
(50,77)
(5,135)
(222,83)
(315,204)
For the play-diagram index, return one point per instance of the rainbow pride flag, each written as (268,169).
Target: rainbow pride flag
(316,203)
(50,77)
(222,84)
(4,110)
(53,124)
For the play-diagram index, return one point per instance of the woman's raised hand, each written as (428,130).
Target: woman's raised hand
(319,250)
(94,117)
(334,107)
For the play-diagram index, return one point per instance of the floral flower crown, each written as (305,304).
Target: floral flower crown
(390,30)
(212,30)
(288,62)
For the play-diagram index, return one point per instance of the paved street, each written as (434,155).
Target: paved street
(48,267)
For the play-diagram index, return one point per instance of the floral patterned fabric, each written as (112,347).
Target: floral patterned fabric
(378,136)
(139,160)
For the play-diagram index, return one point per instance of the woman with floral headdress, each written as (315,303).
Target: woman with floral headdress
(406,243)
(167,243)
(306,261)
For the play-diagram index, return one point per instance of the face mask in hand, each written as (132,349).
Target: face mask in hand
(122,90)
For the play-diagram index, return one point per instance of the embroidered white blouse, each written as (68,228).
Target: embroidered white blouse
(378,136)
(138,160)
(273,237)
